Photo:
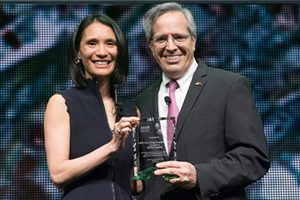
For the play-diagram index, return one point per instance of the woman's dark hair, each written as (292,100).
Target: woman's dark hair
(76,69)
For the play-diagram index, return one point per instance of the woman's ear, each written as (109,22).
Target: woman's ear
(77,60)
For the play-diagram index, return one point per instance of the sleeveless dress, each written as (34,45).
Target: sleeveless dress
(90,130)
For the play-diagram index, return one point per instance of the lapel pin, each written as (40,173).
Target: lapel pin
(198,83)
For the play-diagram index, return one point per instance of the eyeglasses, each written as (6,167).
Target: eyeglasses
(162,40)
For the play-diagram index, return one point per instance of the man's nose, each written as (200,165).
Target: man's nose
(171,43)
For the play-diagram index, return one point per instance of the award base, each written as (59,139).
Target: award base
(146,174)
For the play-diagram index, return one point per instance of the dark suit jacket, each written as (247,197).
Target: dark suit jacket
(219,131)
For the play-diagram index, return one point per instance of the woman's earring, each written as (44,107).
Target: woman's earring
(77,61)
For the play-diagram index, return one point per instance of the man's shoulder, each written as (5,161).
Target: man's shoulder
(217,73)
(222,72)
(218,76)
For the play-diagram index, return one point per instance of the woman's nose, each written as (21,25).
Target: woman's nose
(101,50)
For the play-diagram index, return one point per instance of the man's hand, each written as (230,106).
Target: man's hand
(186,172)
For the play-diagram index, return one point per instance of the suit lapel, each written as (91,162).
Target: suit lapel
(198,82)
(154,98)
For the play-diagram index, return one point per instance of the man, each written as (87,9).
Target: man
(221,146)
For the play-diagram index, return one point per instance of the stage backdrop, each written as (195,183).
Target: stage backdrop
(260,41)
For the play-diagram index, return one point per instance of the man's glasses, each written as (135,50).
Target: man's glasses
(162,40)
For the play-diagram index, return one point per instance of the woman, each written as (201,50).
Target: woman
(88,146)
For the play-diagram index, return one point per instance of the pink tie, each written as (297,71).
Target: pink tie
(172,112)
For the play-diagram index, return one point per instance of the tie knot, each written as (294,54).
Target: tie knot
(173,85)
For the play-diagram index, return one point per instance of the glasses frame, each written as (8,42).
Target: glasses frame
(177,39)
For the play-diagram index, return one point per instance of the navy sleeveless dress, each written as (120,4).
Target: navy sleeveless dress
(89,131)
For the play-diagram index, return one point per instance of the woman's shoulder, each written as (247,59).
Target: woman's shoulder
(68,91)
(61,96)
(56,102)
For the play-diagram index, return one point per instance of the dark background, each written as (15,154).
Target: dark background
(260,41)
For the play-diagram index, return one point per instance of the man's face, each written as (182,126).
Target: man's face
(172,45)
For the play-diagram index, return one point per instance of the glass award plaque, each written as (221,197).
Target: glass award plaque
(149,147)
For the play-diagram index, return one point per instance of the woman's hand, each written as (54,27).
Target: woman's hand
(121,131)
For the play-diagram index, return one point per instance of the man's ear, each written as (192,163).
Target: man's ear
(151,47)
(194,42)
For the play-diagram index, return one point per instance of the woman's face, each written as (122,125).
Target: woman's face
(98,51)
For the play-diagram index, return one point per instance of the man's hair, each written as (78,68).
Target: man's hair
(160,9)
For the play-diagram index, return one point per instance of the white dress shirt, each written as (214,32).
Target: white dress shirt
(180,93)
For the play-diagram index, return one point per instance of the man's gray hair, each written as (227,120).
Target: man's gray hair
(160,9)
